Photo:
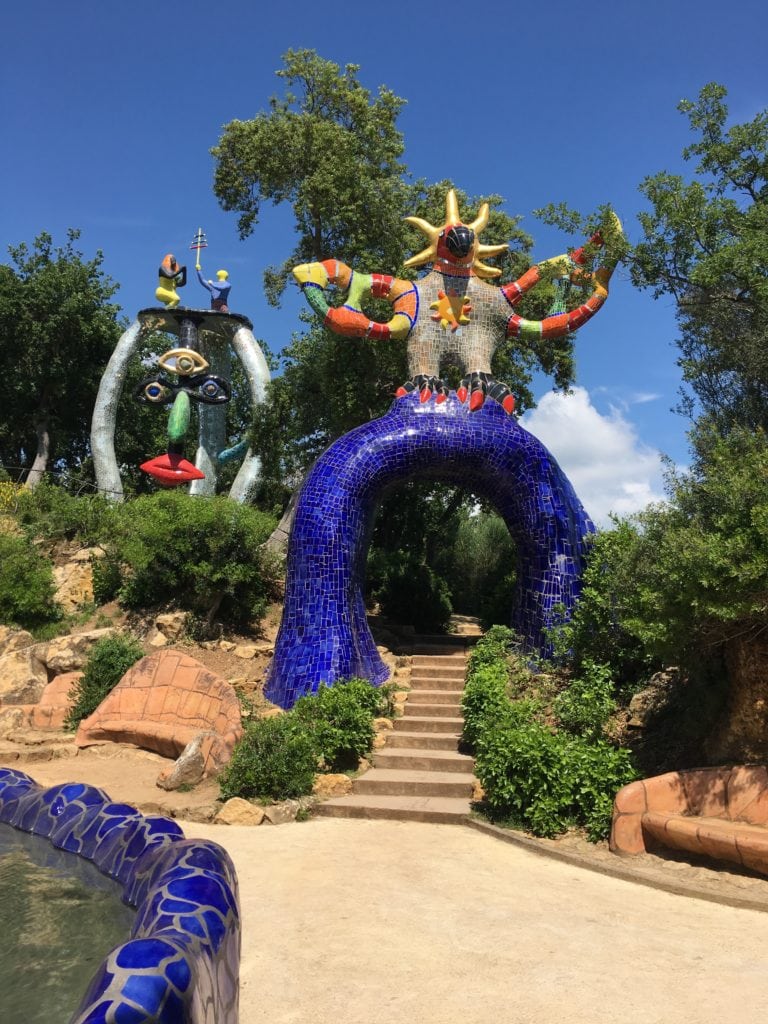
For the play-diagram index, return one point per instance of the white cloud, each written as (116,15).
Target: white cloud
(610,468)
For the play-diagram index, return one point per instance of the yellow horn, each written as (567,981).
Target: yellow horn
(481,220)
(483,270)
(491,250)
(424,226)
(430,253)
(452,208)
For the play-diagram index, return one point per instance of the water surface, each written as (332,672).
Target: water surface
(59,917)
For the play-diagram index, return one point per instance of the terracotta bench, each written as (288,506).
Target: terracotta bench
(713,812)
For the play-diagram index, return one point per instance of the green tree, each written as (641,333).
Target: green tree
(706,244)
(57,331)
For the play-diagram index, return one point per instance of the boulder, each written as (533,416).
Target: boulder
(653,700)
(332,785)
(245,651)
(282,813)
(23,676)
(239,812)
(171,624)
(14,717)
(70,653)
(74,583)
(14,639)
(188,768)
(157,639)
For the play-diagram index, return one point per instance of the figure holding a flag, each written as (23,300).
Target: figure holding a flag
(219,289)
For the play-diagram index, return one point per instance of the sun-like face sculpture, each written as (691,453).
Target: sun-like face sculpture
(455,247)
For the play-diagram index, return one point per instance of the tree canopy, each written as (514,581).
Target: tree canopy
(57,331)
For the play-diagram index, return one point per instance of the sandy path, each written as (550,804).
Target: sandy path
(384,922)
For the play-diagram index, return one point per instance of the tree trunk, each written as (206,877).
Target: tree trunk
(43,453)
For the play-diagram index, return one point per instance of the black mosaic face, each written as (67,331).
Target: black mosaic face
(459,240)
(205,388)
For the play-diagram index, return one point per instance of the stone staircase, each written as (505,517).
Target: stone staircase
(419,775)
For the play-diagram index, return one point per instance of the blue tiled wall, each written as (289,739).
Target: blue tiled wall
(181,963)
(324,635)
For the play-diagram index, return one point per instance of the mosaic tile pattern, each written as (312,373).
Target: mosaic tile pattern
(324,635)
(181,963)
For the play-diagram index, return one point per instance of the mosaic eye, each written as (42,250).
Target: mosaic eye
(183,361)
(155,392)
(209,389)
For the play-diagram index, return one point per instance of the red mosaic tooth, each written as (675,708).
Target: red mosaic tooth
(172,470)
(426,394)
(401,392)
(508,405)
(461,394)
(476,401)
(441,398)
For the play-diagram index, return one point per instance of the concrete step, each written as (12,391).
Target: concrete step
(417,723)
(451,698)
(439,666)
(427,683)
(422,760)
(401,782)
(436,809)
(422,741)
(414,707)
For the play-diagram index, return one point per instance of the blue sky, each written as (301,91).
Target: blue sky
(111,108)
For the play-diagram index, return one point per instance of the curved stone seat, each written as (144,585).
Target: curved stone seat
(712,812)
(324,635)
(162,703)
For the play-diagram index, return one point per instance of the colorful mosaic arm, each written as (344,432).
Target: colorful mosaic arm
(349,319)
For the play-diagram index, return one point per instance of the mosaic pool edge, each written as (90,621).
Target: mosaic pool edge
(181,961)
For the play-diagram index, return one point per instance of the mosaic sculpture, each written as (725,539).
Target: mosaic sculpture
(202,371)
(452,312)
(181,962)
(465,436)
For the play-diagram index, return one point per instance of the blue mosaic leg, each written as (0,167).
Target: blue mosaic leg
(324,635)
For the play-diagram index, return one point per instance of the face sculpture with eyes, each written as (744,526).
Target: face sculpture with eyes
(193,384)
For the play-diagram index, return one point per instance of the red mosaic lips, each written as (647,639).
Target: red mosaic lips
(172,470)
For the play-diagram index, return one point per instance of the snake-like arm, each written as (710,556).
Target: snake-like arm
(560,324)
(349,319)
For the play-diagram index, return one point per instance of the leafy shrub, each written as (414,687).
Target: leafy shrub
(413,594)
(109,660)
(485,695)
(52,513)
(202,554)
(274,760)
(9,493)
(493,646)
(544,781)
(339,719)
(587,704)
(26,584)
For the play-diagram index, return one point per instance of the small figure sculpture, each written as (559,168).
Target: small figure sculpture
(452,312)
(171,277)
(219,291)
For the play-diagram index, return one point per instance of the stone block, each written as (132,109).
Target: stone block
(23,676)
(239,812)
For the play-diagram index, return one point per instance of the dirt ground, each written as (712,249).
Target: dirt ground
(389,922)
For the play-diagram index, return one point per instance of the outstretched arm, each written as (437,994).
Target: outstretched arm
(560,324)
(349,320)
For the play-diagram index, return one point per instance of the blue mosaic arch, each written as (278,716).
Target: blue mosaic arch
(324,635)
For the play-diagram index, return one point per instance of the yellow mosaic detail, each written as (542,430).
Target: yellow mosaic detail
(452,310)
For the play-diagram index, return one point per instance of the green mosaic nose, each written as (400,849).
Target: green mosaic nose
(178,421)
